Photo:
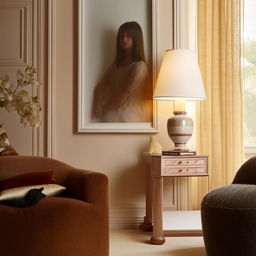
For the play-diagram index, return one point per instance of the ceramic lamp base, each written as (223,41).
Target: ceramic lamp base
(180,130)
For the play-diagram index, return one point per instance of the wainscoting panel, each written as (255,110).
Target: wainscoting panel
(20,28)
(16,31)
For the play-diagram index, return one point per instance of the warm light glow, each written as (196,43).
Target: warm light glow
(180,105)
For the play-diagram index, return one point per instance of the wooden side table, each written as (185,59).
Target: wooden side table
(158,167)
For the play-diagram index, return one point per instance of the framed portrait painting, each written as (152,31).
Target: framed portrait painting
(116,66)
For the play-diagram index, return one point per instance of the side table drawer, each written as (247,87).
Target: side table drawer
(184,166)
(166,162)
(184,171)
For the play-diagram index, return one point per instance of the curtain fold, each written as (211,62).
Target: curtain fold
(219,118)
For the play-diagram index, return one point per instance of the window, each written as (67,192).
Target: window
(249,74)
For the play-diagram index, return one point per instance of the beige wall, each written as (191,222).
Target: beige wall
(119,156)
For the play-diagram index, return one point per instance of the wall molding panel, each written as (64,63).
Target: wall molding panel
(51,111)
(19,36)
(20,46)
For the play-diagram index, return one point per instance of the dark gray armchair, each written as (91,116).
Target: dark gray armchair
(229,215)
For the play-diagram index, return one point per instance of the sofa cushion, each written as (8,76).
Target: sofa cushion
(27,179)
(20,192)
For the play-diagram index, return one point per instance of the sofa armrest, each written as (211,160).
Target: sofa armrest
(91,187)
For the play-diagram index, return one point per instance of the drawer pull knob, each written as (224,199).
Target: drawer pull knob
(187,162)
(180,170)
(187,170)
(180,162)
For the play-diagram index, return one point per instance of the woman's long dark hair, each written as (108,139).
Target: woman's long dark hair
(135,31)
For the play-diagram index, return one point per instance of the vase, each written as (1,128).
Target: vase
(5,147)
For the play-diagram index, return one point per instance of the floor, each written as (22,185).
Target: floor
(135,243)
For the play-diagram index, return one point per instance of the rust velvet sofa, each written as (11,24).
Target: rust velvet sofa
(76,224)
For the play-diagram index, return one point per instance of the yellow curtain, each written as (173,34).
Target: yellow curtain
(219,118)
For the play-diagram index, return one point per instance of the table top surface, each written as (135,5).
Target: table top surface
(147,154)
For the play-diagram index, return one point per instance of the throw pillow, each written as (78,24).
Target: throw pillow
(5,148)
(27,179)
(20,192)
(32,197)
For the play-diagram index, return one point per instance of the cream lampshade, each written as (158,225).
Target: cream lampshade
(179,79)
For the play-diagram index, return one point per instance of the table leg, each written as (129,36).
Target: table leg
(147,224)
(158,237)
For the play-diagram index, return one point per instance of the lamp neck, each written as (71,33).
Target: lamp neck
(179,107)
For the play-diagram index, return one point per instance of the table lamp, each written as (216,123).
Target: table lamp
(179,79)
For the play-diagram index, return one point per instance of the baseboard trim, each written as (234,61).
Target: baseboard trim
(126,216)
(129,215)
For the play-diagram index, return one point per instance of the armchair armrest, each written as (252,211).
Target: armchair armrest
(246,173)
(91,187)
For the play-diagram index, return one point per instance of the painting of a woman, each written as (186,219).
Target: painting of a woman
(124,94)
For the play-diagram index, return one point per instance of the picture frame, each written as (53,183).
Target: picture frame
(99,33)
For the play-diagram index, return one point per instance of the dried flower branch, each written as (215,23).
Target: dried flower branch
(17,97)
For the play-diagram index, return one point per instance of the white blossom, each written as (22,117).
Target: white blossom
(17,97)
